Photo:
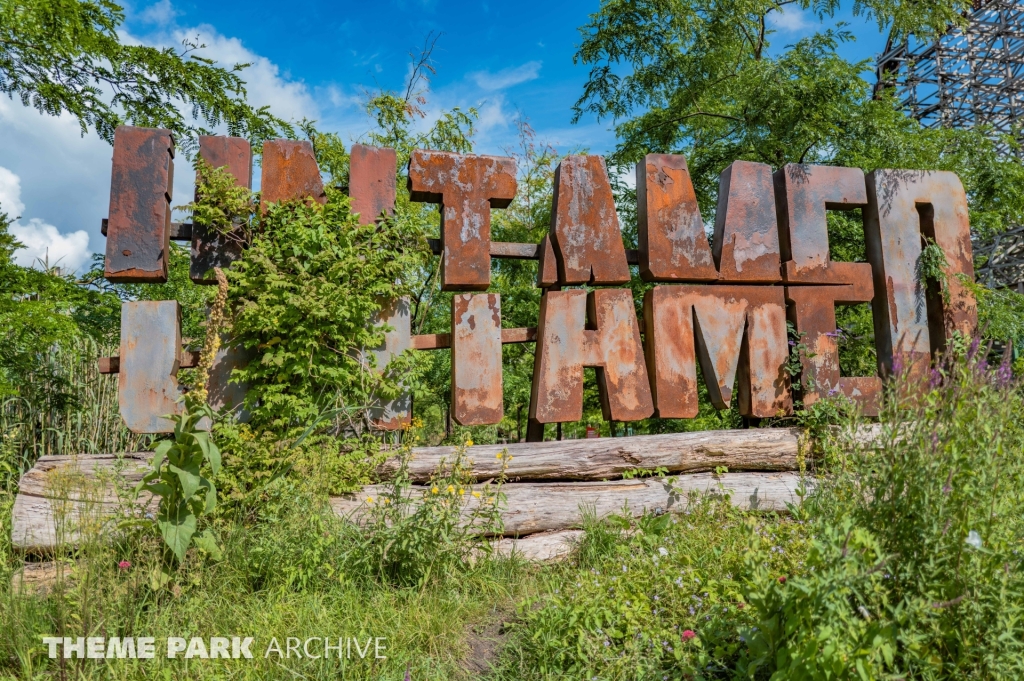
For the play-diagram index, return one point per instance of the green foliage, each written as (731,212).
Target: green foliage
(68,56)
(621,610)
(414,536)
(305,296)
(177,479)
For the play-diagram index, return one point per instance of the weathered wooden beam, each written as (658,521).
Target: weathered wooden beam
(758,449)
(532,507)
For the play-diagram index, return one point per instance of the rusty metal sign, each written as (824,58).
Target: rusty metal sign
(721,304)
(139,223)
(467,187)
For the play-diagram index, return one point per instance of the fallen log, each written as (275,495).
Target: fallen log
(544,507)
(766,449)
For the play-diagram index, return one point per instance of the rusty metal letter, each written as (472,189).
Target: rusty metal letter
(730,330)
(467,187)
(813,312)
(211,249)
(395,414)
(139,222)
(911,321)
(290,172)
(584,225)
(746,242)
(565,346)
(371,180)
(803,193)
(147,383)
(673,245)
(477,398)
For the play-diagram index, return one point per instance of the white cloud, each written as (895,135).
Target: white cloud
(61,177)
(790,20)
(161,13)
(514,75)
(10,193)
(43,243)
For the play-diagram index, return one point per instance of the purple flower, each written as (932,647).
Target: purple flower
(792,343)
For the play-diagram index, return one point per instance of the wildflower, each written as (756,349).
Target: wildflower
(973,539)
(689,635)
(469,443)
(451,489)
(461,491)
(662,550)
(497,456)
(369,500)
(476,494)
(782,579)
(433,490)
(124,565)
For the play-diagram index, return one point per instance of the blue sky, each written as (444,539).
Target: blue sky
(319,60)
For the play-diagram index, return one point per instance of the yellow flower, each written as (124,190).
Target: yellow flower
(369,500)
(433,490)
(451,489)
(469,443)
(387,501)
(476,494)
(498,455)
(460,491)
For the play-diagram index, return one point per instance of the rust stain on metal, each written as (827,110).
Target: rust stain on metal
(803,193)
(733,331)
(371,179)
(673,245)
(566,345)
(150,356)
(746,241)
(477,397)
(584,225)
(139,222)
(211,249)
(812,310)
(903,207)
(467,187)
(290,172)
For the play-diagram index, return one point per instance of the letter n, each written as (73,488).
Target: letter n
(730,330)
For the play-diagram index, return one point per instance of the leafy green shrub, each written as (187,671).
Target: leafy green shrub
(305,296)
(655,597)
(177,479)
(916,567)
(413,535)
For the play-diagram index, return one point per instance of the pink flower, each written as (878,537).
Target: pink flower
(124,565)
(782,579)
(689,634)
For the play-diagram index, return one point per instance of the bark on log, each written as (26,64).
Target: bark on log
(767,449)
(543,507)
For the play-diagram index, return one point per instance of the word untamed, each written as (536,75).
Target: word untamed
(724,305)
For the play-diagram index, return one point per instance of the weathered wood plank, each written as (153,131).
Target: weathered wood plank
(767,449)
(542,547)
(544,507)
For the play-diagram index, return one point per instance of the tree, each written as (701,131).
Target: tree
(66,56)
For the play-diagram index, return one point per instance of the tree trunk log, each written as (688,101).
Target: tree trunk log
(544,507)
(767,449)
